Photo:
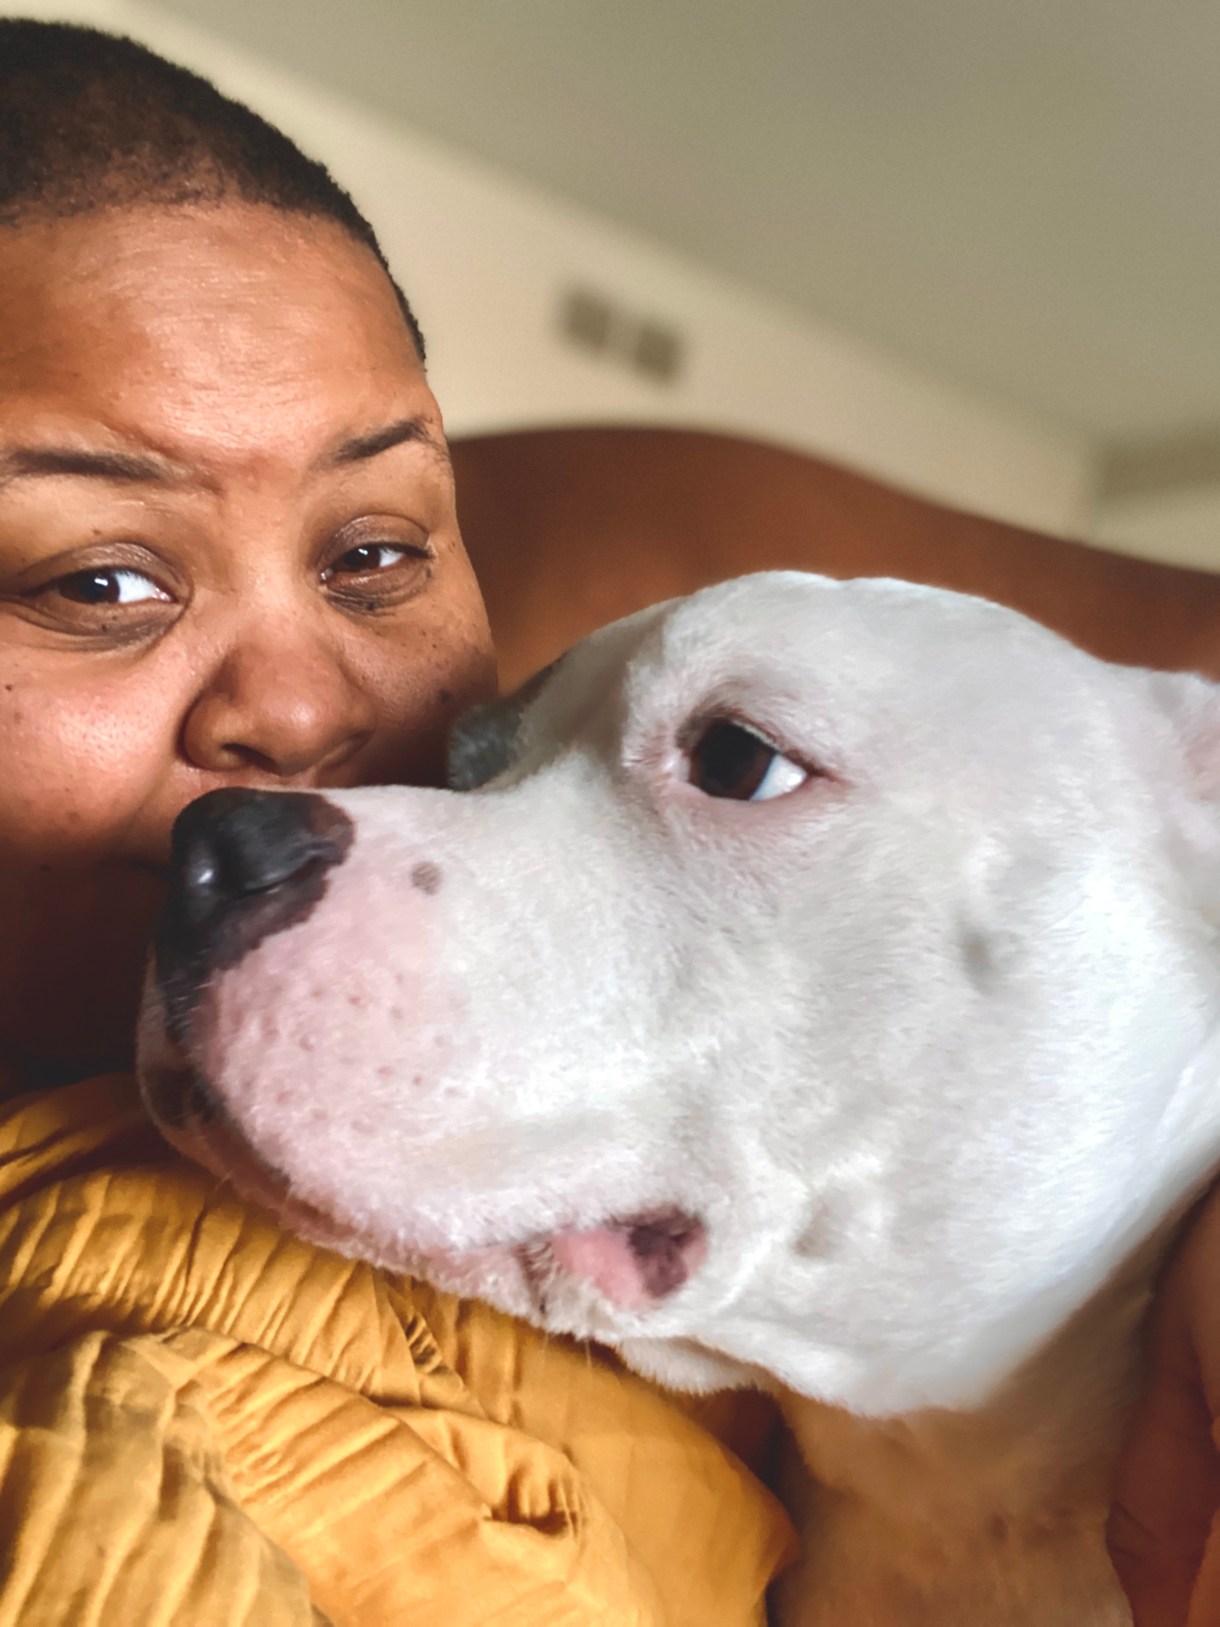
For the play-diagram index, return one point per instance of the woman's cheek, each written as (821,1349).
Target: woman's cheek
(80,762)
(424,680)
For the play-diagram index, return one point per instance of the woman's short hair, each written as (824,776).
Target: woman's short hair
(92,121)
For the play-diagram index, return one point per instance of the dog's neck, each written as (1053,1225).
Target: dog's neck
(992,1516)
(995,1517)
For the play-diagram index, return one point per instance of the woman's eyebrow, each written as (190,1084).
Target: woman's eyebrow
(128,468)
(150,468)
(360,447)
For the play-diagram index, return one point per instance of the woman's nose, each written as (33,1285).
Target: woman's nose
(287,709)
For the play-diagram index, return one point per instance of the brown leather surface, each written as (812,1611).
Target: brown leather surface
(571,528)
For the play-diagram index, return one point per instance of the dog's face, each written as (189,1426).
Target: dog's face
(815,991)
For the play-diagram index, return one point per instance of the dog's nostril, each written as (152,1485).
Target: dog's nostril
(230,844)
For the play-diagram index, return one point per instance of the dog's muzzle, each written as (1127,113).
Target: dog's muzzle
(244,865)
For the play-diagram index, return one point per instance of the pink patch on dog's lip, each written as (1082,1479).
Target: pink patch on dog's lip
(635,1261)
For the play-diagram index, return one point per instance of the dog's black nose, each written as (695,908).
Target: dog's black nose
(244,864)
(229,844)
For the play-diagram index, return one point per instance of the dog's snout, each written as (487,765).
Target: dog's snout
(229,844)
(245,864)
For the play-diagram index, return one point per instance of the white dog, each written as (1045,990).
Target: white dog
(823,994)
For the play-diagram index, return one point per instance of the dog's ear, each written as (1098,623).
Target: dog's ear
(483,742)
(1190,797)
(1192,705)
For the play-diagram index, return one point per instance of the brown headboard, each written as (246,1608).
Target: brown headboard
(570,528)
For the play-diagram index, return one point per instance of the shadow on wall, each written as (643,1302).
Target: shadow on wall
(572,528)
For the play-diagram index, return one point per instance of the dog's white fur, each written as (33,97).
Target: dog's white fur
(929,1045)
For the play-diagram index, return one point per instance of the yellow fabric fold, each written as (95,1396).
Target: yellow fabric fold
(203,1420)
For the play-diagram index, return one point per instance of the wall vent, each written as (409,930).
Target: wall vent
(597,324)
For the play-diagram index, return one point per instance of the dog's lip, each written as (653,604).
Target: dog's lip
(636,1260)
(213,1140)
(661,1244)
(228,1155)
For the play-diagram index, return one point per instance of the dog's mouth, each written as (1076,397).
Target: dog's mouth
(193,1120)
(633,1261)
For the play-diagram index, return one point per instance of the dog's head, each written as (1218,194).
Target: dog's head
(819,988)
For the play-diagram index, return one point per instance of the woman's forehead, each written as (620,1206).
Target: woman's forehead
(209,330)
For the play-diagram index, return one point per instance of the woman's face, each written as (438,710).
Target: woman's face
(229,555)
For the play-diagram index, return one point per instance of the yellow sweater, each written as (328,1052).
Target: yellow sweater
(203,1421)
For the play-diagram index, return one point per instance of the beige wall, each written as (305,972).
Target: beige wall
(1180,525)
(486,260)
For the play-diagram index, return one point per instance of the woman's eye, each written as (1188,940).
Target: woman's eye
(378,575)
(368,558)
(107,586)
(730,761)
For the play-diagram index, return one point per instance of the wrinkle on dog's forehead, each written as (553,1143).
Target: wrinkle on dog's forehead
(833,665)
(593,687)
(868,658)
(871,628)
(493,738)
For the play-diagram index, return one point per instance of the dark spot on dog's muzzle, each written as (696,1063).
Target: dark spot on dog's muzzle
(427,877)
(244,865)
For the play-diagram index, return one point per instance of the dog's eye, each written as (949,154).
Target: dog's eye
(729,761)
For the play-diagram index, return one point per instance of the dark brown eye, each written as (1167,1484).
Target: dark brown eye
(728,760)
(369,557)
(108,585)
(378,573)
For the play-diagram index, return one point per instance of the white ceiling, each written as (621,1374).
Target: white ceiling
(1021,194)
